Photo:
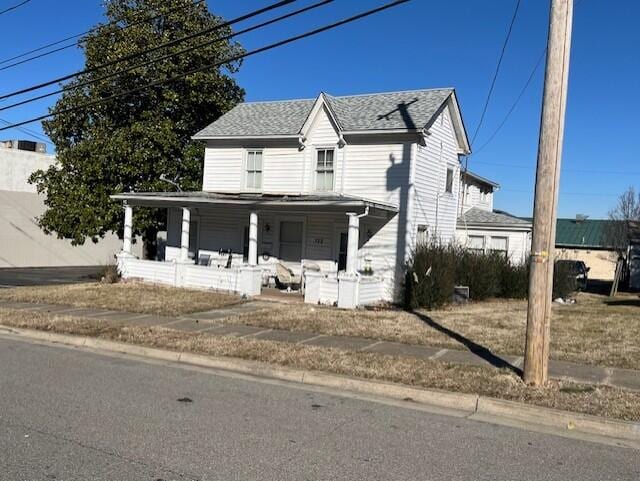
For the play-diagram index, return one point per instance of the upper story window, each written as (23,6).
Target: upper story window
(324,169)
(254,170)
(449,185)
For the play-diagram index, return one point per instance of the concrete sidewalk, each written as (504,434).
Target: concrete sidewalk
(212,322)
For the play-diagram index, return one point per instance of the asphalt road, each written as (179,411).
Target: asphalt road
(44,276)
(69,414)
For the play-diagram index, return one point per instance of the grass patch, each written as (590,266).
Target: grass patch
(124,296)
(487,381)
(592,331)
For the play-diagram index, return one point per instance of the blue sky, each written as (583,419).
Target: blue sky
(422,44)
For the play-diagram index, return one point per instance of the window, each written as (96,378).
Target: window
(254,170)
(449,185)
(290,241)
(324,170)
(499,244)
(475,243)
(423,234)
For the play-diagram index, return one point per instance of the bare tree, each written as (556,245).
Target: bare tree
(625,214)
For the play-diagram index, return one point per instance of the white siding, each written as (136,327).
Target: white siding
(432,206)
(518,243)
(222,169)
(473,197)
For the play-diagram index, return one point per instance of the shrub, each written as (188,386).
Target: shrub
(514,281)
(430,276)
(109,274)
(564,280)
(482,273)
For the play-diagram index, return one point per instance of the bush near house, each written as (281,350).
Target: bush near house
(435,269)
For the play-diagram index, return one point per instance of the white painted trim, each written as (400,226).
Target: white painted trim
(316,148)
(243,175)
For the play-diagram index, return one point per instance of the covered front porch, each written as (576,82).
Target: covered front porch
(318,245)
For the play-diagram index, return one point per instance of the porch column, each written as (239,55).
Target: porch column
(128,228)
(253,239)
(184,239)
(353,235)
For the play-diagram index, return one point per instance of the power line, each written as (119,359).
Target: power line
(29,132)
(65,47)
(149,50)
(169,55)
(7,10)
(584,171)
(515,103)
(495,75)
(520,95)
(217,64)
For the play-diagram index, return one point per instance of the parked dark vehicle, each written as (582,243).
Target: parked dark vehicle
(581,272)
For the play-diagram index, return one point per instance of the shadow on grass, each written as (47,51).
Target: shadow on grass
(474,347)
(623,302)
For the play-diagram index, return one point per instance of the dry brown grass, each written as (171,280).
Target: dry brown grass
(124,296)
(596,400)
(593,331)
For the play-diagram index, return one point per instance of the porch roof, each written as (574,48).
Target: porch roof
(248,199)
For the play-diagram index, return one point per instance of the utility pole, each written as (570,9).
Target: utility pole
(536,359)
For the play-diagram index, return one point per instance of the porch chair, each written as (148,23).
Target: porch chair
(204,259)
(286,277)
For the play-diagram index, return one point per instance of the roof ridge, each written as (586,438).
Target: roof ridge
(277,101)
(394,92)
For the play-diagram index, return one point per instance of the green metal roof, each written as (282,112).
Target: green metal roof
(583,233)
(590,233)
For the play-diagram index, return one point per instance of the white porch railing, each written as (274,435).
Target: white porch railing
(244,280)
(342,290)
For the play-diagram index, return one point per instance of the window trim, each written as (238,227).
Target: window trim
(245,169)
(319,148)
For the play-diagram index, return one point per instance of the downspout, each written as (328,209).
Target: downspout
(301,140)
(343,143)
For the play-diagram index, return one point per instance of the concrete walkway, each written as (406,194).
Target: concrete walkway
(212,322)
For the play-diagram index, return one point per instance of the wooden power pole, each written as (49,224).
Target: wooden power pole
(536,359)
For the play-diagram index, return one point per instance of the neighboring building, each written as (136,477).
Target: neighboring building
(585,240)
(332,188)
(22,242)
(482,228)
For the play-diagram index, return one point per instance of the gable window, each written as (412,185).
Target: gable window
(449,184)
(324,169)
(254,170)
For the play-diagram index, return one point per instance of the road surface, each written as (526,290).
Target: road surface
(69,414)
(44,276)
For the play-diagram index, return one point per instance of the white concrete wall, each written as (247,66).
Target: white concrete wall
(22,242)
(17,165)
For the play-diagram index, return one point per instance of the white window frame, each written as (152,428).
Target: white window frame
(477,249)
(506,248)
(245,170)
(319,148)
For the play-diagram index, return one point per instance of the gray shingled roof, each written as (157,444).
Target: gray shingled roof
(384,111)
(476,216)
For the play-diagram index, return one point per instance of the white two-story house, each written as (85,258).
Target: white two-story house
(337,189)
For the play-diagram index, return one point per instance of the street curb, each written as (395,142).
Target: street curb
(472,405)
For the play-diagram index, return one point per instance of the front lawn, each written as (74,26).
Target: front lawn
(124,296)
(596,330)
